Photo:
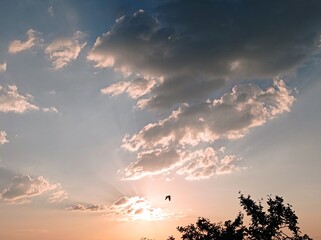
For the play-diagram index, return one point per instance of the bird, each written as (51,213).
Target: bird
(168,197)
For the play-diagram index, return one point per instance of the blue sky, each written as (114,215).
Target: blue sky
(107,106)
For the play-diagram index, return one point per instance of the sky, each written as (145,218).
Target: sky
(106,107)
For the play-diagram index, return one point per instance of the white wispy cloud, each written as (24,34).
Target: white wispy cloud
(33,38)
(205,163)
(50,109)
(12,101)
(63,50)
(51,11)
(135,88)
(3,137)
(23,188)
(3,67)
(162,146)
(127,209)
(58,195)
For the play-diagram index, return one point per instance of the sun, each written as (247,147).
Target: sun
(142,210)
(137,208)
(148,214)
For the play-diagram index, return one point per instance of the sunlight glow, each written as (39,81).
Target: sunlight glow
(136,208)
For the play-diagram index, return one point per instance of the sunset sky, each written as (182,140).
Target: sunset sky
(108,106)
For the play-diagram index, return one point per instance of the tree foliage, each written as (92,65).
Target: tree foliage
(278,222)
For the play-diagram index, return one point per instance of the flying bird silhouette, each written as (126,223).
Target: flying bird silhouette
(168,197)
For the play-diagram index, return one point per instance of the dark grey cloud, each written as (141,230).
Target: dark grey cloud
(178,89)
(199,45)
(152,162)
(267,37)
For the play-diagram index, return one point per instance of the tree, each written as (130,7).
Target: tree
(205,230)
(279,222)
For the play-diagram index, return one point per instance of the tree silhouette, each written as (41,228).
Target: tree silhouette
(279,222)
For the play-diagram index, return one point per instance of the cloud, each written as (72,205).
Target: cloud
(58,195)
(136,208)
(51,11)
(180,89)
(197,53)
(33,38)
(88,208)
(50,110)
(3,137)
(167,144)
(205,163)
(3,67)
(193,165)
(135,88)
(127,209)
(229,117)
(63,50)
(52,92)
(23,188)
(153,162)
(12,101)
